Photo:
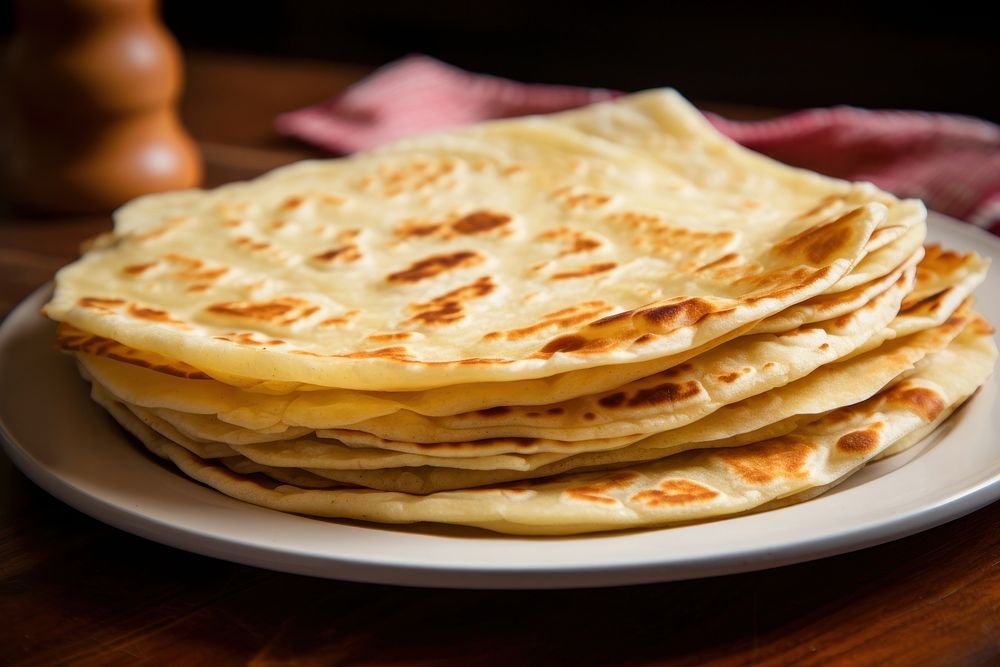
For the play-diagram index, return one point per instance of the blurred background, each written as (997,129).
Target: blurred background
(941,57)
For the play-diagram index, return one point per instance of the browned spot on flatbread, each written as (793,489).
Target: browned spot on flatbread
(478,361)
(729,378)
(412,177)
(584,271)
(72,339)
(822,241)
(937,260)
(454,224)
(569,343)
(494,412)
(596,490)
(161,230)
(614,319)
(574,343)
(346,253)
(728,258)
(395,337)
(416,228)
(582,244)
(439,314)
(674,371)
(827,302)
(184,267)
(644,338)
(665,394)
(480,222)
(450,307)
(281,310)
(136,269)
(396,352)
(675,492)
(98,303)
(561,319)
(774,279)
(209,274)
(655,236)
(804,330)
(769,283)
(437,264)
(612,400)
(340,320)
(764,462)
(738,273)
(194,269)
(860,442)
(573,240)
(573,197)
(152,314)
(485,442)
(249,339)
(184,260)
(297,201)
(676,315)
(251,244)
(920,400)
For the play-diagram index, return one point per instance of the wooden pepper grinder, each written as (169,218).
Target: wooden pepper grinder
(94,89)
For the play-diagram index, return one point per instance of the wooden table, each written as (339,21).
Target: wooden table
(73,590)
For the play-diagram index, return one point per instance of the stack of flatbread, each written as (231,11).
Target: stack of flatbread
(608,318)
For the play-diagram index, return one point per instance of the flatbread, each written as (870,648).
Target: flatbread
(760,417)
(583,250)
(743,367)
(691,486)
(309,411)
(248,416)
(769,415)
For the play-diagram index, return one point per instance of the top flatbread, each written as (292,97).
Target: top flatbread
(508,251)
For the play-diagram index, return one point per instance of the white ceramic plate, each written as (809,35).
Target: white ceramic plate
(67,445)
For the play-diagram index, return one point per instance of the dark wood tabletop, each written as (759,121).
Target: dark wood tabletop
(75,591)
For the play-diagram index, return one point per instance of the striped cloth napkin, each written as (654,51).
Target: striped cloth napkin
(951,162)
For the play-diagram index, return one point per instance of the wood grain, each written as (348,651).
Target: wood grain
(74,591)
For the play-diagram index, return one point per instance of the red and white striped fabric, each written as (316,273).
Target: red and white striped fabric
(951,162)
(418,94)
